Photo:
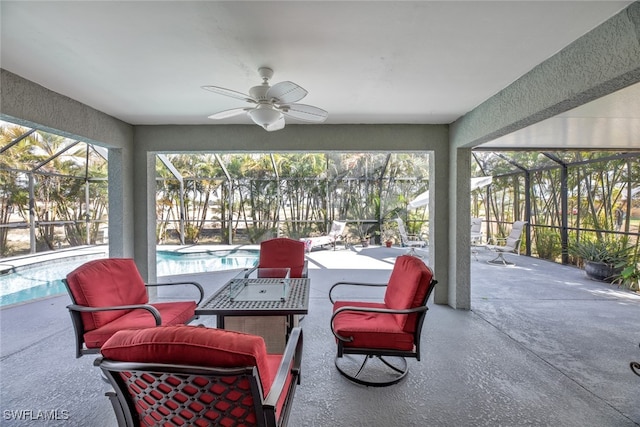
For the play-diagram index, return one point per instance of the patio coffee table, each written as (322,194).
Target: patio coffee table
(259,296)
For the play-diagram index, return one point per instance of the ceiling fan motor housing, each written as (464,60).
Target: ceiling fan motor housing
(259,93)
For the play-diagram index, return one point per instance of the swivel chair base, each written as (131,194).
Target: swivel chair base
(383,370)
(500,260)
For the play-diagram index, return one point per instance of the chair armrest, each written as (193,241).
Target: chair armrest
(500,245)
(291,362)
(196,284)
(496,240)
(371,310)
(248,271)
(476,237)
(352,284)
(305,269)
(151,309)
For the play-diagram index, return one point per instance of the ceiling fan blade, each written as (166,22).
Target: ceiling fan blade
(305,112)
(277,125)
(286,92)
(229,113)
(230,93)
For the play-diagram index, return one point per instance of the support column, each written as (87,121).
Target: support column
(121,236)
(439,220)
(460,229)
(145,218)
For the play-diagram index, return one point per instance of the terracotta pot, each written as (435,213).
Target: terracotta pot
(388,244)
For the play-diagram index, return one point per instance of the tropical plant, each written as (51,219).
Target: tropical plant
(612,252)
(629,277)
(547,244)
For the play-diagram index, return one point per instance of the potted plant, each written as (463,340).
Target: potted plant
(360,235)
(388,233)
(603,260)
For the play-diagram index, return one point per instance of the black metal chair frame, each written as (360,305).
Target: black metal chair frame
(76,310)
(635,367)
(400,371)
(124,404)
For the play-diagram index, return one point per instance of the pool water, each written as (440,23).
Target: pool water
(172,263)
(45,279)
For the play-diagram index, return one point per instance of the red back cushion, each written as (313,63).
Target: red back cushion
(407,288)
(106,282)
(283,252)
(190,345)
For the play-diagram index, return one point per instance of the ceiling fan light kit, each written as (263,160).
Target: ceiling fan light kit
(264,116)
(272,103)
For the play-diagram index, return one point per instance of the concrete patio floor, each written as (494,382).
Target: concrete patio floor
(541,346)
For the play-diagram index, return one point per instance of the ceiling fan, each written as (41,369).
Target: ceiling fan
(272,103)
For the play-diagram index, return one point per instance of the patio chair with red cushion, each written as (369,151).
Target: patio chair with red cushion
(382,334)
(198,376)
(109,295)
(283,252)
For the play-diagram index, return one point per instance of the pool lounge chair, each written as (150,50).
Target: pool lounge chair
(409,240)
(476,231)
(476,236)
(509,244)
(336,234)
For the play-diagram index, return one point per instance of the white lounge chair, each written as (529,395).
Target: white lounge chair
(476,231)
(409,240)
(336,234)
(476,236)
(509,244)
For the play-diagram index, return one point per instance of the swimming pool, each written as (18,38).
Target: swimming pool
(44,279)
(171,263)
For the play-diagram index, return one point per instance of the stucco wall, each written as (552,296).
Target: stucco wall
(601,62)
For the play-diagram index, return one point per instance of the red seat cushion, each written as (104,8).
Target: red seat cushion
(106,282)
(172,313)
(191,345)
(407,288)
(283,252)
(371,330)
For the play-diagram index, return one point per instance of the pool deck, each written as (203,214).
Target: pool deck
(541,346)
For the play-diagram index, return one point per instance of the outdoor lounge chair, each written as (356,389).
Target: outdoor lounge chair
(109,294)
(198,376)
(476,231)
(509,244)
(283,252)
(409,240)
(476,236)
(388,331)
(335,235)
